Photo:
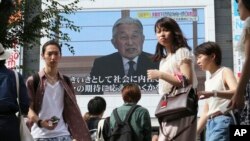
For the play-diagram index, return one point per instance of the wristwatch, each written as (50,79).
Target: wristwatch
(39,123)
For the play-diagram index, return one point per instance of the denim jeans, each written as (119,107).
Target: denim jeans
(217,129)
(61,138)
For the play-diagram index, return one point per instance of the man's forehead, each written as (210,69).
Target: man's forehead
(125,25)
(127,31)
(52,51)
(51,48)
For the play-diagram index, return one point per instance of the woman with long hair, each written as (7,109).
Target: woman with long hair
(175,58)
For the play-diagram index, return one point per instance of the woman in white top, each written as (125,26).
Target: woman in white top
(219,88)
(175,57)
(242,95)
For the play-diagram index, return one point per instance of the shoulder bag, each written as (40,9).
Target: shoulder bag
(25,134)
(180,102)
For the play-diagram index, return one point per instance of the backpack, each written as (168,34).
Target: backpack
(123,130)
(99,131)
(93,125)
(97,134)
(93,134)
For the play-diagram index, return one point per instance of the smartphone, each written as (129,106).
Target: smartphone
(54,120)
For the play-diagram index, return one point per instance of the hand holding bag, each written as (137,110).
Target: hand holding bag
(180,102)
(25,134)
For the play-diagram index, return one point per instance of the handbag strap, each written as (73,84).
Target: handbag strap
(17,90)
(179,133)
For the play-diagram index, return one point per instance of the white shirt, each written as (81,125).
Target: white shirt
(215,82)
(245,31)
(52,105)
(172,64)
(126,64)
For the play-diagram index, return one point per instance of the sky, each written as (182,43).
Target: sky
(96,28)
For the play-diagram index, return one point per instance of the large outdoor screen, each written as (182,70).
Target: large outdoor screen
(94,41)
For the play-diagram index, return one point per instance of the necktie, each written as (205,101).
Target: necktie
(131,69)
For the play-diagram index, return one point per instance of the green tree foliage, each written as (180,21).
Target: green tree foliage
(6,8)
(30,21)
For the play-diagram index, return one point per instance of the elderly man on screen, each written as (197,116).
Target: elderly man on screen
(128,64)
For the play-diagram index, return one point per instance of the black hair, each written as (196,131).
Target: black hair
(51,42)
(246,3)
(2,62)
(96,105)
(209,48)
(179,40)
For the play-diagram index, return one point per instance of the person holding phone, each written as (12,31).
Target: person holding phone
(54,111)
(54,120)
(219,88)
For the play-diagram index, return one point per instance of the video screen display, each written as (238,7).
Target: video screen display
(100,64)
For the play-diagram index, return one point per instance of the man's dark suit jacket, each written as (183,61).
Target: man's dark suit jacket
(112,65)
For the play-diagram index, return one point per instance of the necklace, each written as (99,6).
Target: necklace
(51,79)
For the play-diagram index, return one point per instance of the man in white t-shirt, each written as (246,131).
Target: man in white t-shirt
(54,111)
